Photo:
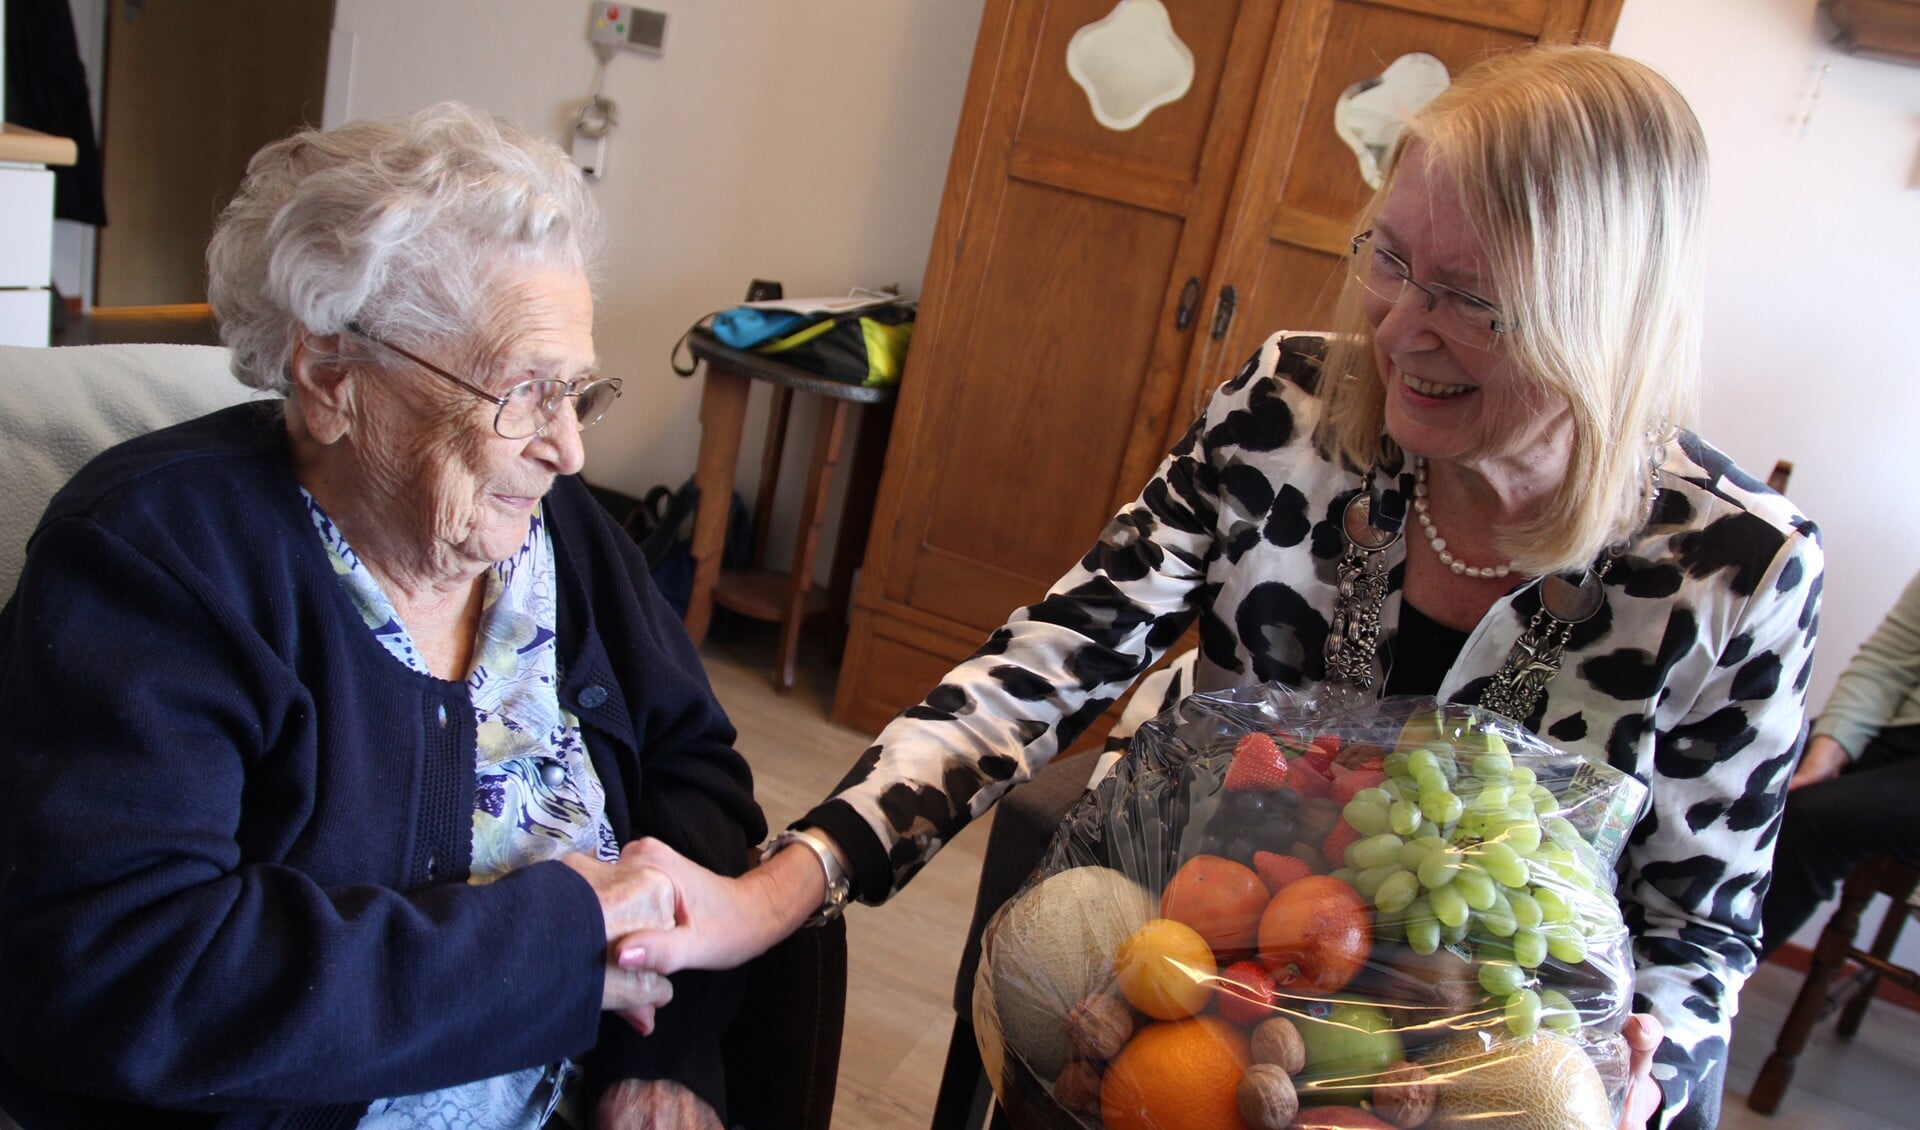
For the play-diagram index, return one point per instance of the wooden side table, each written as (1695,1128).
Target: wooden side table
(790,596)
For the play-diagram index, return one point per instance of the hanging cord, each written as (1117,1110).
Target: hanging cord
(597,116)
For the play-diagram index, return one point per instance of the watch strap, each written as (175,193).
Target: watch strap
(839,886)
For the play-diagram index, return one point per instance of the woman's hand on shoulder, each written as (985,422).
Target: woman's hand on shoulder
(658,1104)
(1823,761)
(722,923)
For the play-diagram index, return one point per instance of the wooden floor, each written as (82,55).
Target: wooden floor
(903,955)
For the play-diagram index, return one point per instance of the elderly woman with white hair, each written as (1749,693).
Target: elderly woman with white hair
(327,717)
(1486,476)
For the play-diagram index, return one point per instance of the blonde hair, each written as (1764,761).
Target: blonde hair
(1584,174)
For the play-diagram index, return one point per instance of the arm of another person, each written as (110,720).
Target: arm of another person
(1883,676)
(1697,861)
(155,950)
(1031,688)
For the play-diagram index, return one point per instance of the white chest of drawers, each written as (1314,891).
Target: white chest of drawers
(26,232)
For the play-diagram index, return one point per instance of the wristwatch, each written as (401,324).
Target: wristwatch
(839,888)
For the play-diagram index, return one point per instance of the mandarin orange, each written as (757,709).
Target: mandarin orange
(1219,898)
(1165,969)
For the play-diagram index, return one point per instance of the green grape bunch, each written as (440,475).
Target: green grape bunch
(1462,846)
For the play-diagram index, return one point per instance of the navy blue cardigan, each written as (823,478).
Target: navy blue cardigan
(234,832)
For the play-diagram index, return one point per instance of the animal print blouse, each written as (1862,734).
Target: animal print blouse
(1692,677)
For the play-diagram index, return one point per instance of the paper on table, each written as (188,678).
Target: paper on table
(859,300)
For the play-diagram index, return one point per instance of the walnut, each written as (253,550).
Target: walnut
(1099,1026)
(1404,1095)
(1278,1042)
(1078,1088)
(1266,1097)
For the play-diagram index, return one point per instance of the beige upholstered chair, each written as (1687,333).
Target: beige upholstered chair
(61,407)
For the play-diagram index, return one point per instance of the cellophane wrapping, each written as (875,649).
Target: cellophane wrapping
(1270,914)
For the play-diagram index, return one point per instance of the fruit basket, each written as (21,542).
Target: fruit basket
(1271,915)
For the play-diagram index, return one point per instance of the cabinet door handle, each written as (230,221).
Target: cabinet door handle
(1223,312)
(1189,302)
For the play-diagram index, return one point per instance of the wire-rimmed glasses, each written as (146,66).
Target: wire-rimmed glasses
(1452,313)
(528,408)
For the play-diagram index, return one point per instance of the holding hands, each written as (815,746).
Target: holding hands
(633,896)
(721,923)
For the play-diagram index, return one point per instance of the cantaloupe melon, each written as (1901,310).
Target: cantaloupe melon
(1050,948)
(1543,1082)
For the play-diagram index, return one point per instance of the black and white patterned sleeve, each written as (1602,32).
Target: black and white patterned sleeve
(1698,864)
(1050,671)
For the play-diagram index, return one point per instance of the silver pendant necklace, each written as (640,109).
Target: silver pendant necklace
(1352,648)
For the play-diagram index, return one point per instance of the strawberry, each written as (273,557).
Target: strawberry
(1308,780)
(1245,993)
(1323,749)
(1334,848)
(1353,780)
(1276,870)
(1257,764)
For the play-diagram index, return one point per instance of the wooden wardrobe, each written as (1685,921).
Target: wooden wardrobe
(1089,287)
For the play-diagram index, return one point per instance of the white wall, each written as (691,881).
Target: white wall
(1814,283)
(804,141)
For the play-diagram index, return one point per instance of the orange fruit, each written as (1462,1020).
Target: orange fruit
(1219,898)
(1316,934)
(1165,969)
(1180,1075)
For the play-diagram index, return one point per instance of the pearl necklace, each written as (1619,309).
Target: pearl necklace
(1420,511)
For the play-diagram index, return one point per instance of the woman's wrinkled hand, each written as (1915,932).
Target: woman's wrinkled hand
(633,896)
(722,923)
(636,1104)
(1822,761)
(1643,1034)
(635,994)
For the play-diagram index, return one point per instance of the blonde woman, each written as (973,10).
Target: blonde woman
(1499,435)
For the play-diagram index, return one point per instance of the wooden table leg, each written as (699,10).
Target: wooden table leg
(771,453)
(723,414)
(828,430)
(856,517)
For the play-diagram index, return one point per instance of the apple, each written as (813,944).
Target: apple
(1348,1044)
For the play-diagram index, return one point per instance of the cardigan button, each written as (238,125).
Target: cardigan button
(554,774)
(593,697)
(433,866)
(443,716)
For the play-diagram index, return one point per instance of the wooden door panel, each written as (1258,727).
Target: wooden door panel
(1527,17)
(1067,331)
(1170,140)
(1053,335)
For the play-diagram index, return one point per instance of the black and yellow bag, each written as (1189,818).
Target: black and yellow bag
(859,341)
